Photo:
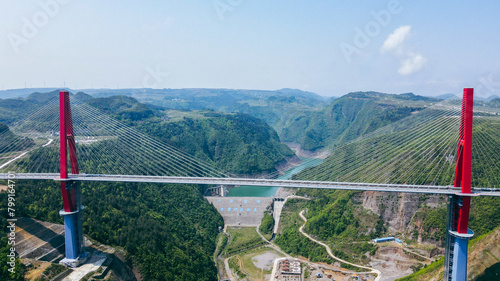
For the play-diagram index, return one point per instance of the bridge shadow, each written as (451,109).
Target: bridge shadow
(39,240)
(491,273)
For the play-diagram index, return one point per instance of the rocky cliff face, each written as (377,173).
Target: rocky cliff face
(403,213)
(483,261)
(484,257)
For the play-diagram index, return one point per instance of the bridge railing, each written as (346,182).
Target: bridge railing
(437,189)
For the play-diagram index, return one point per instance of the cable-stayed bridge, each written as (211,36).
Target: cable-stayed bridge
(436,189)
(416,154)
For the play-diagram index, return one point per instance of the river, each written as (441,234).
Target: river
(269,191)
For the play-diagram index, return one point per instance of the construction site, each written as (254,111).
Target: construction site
(41,248)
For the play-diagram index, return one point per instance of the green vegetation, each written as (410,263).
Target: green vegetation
(52,271)
(237,143)
(221,244)
(19,268)
(12,110)
(484,217)
(242,238)
(7,139)
(234,265)
(434,223)
(392,152)
(278,108)
(484,214)
(345,226)
(427,271)
(297,116)
(266,226)
(349,117)
(122,107)
(334,216)
(168,231)
(291,241)
(246,262)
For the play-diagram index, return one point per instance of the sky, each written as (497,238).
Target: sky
(327,47)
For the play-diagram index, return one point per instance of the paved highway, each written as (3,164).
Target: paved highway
(433,189)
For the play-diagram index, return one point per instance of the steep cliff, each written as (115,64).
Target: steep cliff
(483,261)
(406,214)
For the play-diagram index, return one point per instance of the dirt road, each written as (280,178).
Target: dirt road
(379,274)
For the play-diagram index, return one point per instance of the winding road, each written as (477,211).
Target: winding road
(24,153)
(372,270)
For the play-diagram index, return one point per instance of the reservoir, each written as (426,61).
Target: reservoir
(269,191)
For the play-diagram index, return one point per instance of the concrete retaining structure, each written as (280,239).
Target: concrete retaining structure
(243,211)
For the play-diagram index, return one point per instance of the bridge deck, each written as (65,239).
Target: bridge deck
(262,182)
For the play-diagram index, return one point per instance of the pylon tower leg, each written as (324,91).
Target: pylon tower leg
(72,212)
(458,233)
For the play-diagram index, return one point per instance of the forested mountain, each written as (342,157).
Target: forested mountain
(277,108)
(120,107)
(237,143)
(349,117)
(494,103)
(228,100)
(15,109)
(297,116)
(168,231)
(12,110)
(342,217)
(7,138)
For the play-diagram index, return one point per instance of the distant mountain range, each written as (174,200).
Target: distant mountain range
(477,98)
(301,117)
(138,92)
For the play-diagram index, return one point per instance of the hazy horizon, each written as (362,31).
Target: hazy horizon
(24,92)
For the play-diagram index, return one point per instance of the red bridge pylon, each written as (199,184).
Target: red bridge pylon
(458,233)
(72,212)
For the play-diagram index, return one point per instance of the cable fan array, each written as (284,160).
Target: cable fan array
(420,149)
(104,146)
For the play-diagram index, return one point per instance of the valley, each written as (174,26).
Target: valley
(171,232)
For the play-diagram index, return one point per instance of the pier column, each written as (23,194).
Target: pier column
(458,233)
(72,212)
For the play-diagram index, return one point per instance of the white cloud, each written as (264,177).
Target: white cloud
(396,38)
(412,64)
(411,61)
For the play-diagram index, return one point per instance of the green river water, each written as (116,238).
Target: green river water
(269,191)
